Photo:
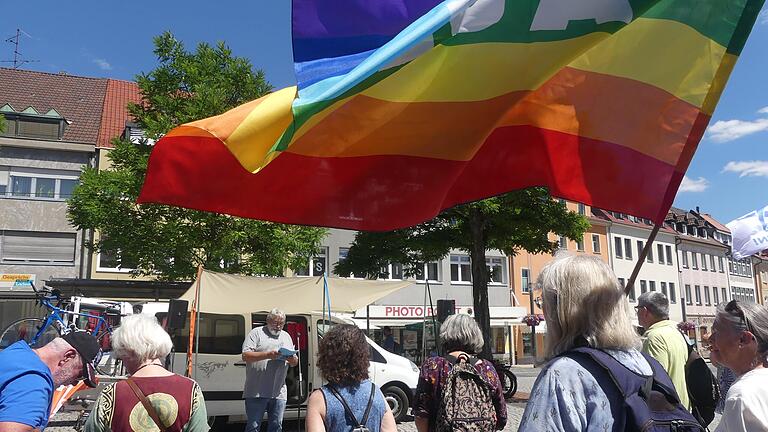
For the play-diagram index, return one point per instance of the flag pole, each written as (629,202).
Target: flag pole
(641,257)
(193,323)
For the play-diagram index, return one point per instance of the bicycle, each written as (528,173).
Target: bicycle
(39,331)
(507,377)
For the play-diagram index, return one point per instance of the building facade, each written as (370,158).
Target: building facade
(702,260)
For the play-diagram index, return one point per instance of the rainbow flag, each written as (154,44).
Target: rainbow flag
(404,108)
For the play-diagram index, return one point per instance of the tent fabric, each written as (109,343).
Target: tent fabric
(234,294)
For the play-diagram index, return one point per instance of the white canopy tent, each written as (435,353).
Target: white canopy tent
(234,294)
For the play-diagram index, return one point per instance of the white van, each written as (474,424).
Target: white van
(220,370)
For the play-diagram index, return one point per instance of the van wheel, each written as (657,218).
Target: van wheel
(217,423)
(398,402)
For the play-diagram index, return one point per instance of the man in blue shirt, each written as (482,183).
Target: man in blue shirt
(29,376)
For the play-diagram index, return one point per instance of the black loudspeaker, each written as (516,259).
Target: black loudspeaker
(177,314)
(445,308)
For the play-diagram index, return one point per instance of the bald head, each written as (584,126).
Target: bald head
(63,360)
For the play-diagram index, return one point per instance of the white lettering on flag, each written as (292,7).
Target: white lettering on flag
(749,233)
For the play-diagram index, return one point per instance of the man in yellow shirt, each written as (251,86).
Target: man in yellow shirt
(662,340)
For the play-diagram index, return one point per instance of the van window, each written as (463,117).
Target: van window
(219,334)
(373,354)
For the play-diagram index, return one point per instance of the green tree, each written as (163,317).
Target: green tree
(170,242)
(511,222)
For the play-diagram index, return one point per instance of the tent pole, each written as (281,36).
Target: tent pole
(194,320)
(424,328)
(641,258)
(432,312)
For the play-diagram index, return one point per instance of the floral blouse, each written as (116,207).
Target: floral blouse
(433,373)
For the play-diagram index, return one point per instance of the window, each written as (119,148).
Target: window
(316,266)
(684,254)
(697,289)
(672,293)
(35,183)
(562,243)
(707,299)
(343,253)
(496,270)
(219,334)
(663,286)
(643,287)
(649,257)
(628,249)
(730,266)
(432,270)
(716,296)
(392,271)
(669,254)
(704,261)
(623,285)
(34,126)
(525,279)
(461,270)
(688,297)
(112,260)
(652,285)
(582,209)
(711,263)
(580,244)
(618,252)
(595,243)
(30,247)
(660,253)
(725,293)
(695,258)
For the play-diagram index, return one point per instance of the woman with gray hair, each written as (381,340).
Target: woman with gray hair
(739,341)
(460,337)
(584,306)
(152,398)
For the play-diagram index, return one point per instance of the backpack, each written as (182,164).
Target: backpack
(703,388)
(638,402)
(465,401)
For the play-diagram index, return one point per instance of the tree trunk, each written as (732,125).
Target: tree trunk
(480,279)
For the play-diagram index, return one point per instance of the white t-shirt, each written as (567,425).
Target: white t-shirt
(746,406)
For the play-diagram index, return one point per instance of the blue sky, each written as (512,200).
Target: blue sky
(727,178)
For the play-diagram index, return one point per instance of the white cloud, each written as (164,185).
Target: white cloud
(763,17)
(729,130)
(102,64)
(689,185)
(748,168)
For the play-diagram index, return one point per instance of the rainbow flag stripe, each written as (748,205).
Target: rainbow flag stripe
(404,108)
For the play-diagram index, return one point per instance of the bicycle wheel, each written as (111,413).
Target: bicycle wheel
(508,383)
(25,329)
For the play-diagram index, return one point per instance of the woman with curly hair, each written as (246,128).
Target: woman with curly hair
(350,399)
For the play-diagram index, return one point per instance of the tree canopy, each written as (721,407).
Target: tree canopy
(514,221)
(170,242)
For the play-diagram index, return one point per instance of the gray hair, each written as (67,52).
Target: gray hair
(460,332)
(582,298)
(140,338)
(276,314)
(656,303)
(751,317)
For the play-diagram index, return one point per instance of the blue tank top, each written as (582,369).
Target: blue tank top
(336,419)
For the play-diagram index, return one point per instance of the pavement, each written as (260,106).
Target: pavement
(526,376)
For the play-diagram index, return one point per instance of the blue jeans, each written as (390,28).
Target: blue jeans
(255,409)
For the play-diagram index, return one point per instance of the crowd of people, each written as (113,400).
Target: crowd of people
(601,374)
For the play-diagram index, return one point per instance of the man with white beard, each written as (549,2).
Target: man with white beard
(265,389)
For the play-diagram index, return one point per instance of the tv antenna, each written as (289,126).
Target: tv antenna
(17,57)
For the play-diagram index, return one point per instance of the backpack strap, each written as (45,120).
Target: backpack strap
(348,410)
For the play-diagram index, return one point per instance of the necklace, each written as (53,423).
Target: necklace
(145,365)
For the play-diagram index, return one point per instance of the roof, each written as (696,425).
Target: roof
(712,221)
(115,113)
(600,213)
(78,99)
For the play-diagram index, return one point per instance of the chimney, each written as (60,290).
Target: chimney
(697,210)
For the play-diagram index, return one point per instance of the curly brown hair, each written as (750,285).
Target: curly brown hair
(343,355)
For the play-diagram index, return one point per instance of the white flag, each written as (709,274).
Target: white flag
(749,233)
